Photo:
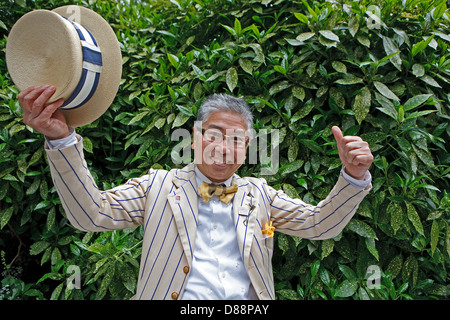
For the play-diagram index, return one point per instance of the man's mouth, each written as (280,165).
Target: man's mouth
(220,162)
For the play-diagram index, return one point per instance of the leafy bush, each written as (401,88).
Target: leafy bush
(379,69)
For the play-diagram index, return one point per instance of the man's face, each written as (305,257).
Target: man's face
(223,144)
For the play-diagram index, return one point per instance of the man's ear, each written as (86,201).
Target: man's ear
(194,130)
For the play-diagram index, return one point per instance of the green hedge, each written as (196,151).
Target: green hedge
(379,69)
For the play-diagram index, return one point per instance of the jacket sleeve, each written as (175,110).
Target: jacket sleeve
(324,221)
(87,207)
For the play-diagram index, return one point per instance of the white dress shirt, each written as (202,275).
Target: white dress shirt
(218,270)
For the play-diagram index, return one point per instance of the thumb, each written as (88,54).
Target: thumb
(337,133)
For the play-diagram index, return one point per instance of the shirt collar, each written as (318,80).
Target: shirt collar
(200,177)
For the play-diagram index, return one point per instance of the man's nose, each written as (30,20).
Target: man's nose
(224,146)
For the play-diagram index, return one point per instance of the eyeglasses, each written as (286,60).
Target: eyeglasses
(215,136)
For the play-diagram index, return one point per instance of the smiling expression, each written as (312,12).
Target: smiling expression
(218,160)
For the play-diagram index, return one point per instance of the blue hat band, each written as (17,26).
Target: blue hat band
(92,67)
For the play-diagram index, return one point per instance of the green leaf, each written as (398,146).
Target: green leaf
(160,123)
(425,157)
(430,81)
(325,276)
(418,70)
(363,295)
(315,268)
(230,30)
(51,218)
(370,245)
(361,228)
(349,80)
(38,247)
(294,42)
(246,65)
(312,145)
(330,35)
(327,248)
(421,46)
(414,218)
(385,91)
(3,25)
(106,281)
(87,145)
(283,242)
(416,101)
(396,212)
(410,270)
(337,97)
(420,114)
(353,25)
(173,59)
(440,10)
(339,66)
(434,235)
(346,289)
(391,48)
(290,190)
(134,94)
(364,40)
(293,151)
(127,277)
(36,156)
(56,256)
(327,42)
(395,266)
(347,272)
(57,292)
(180,119)
(361,104)
(305,36)
(301,17)
(237,26)
(447,240)
(5,216)
(42,205)
(232,78)
(279,86)
(288,294)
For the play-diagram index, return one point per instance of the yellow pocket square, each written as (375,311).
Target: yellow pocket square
(268,230)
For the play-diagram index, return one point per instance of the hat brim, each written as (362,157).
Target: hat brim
(110,76)
(41,50)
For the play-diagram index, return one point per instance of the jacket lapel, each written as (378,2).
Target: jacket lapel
(184,204)
(244,211)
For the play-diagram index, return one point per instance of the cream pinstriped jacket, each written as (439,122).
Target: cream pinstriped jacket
(166,202)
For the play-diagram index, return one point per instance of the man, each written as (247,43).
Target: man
(199,245)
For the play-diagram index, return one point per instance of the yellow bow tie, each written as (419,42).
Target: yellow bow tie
(225,194)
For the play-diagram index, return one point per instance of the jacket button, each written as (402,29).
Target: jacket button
(186,269)
(174,295)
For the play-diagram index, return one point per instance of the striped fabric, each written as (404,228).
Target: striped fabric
(92,66)
(166,202)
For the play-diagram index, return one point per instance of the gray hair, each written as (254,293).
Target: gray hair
(224,102)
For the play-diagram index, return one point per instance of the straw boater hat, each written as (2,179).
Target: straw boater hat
(72,48)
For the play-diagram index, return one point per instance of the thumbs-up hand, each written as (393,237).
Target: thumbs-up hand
(354,153)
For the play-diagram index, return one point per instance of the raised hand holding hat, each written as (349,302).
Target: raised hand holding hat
(72,49)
